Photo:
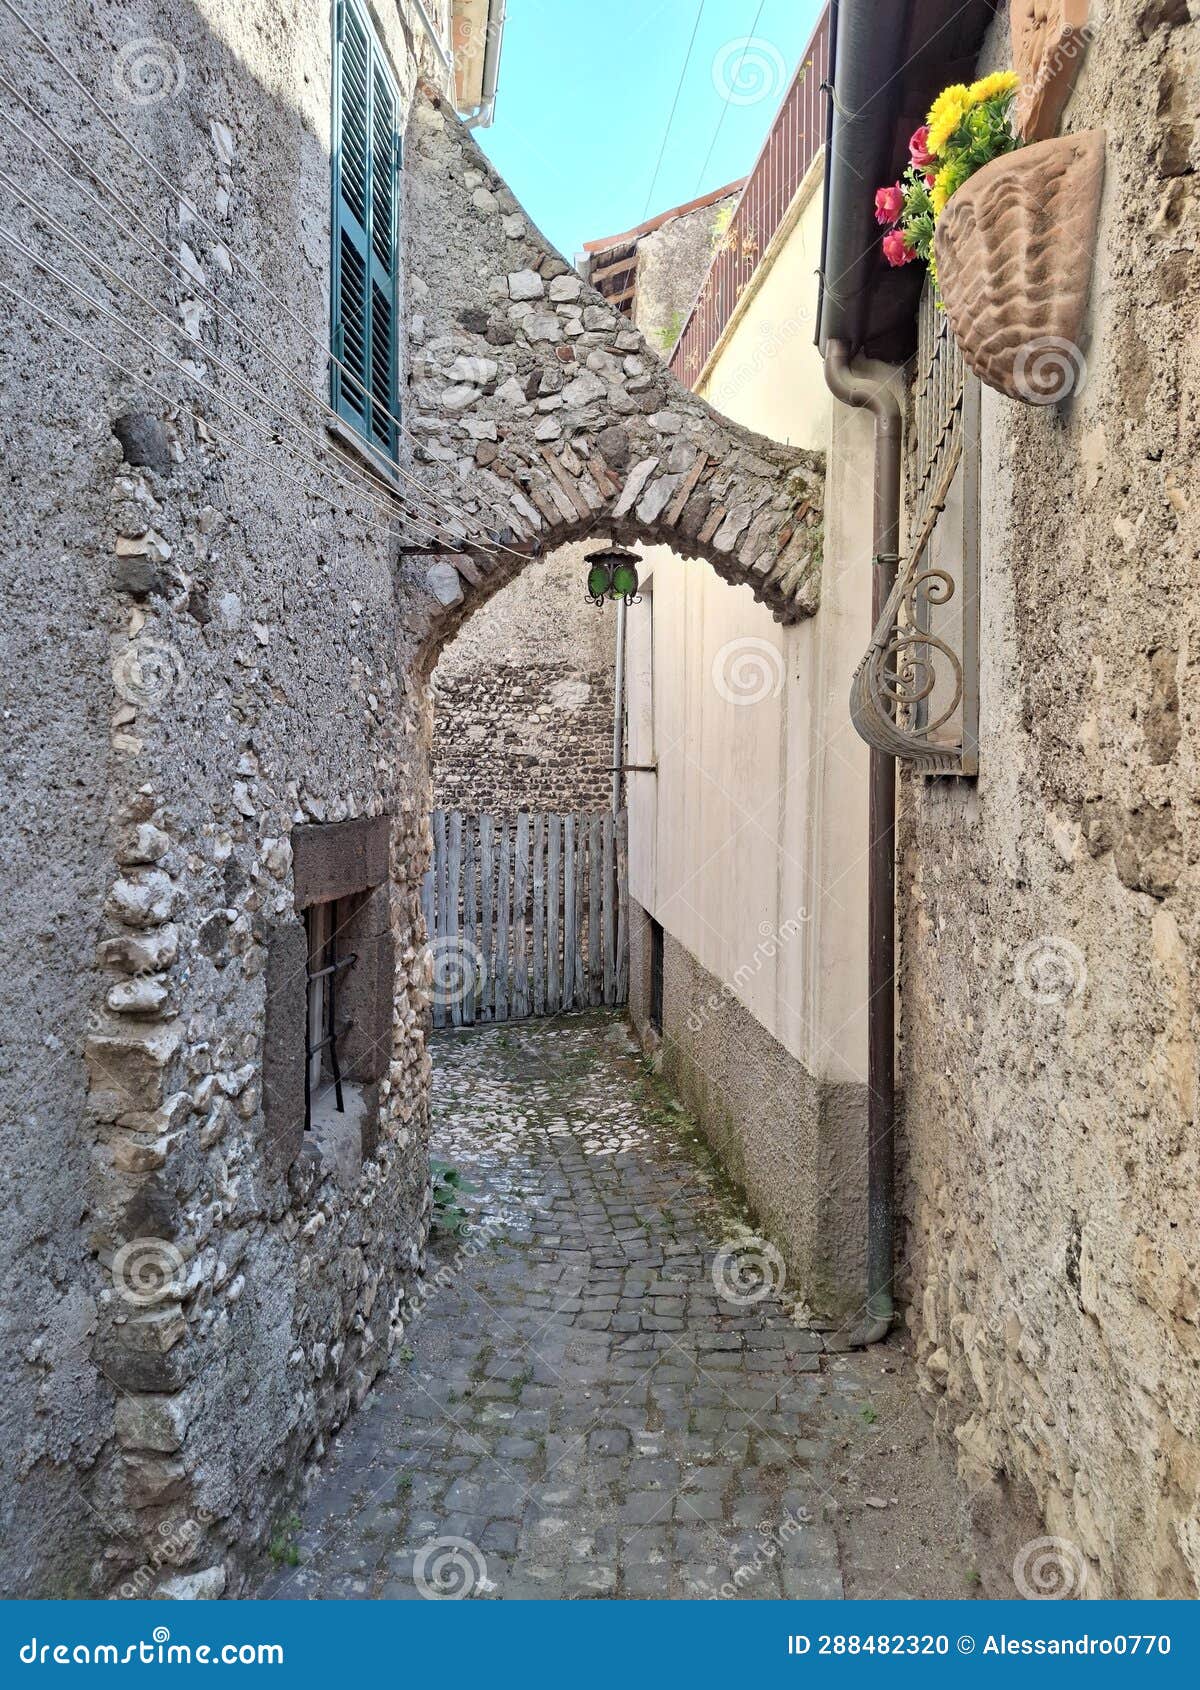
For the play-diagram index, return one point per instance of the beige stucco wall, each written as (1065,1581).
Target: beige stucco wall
(748,843)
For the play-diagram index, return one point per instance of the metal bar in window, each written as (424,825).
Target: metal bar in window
(331,970)
(334,967)
(346,1027)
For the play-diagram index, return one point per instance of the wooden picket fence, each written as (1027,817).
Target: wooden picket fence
(526,918)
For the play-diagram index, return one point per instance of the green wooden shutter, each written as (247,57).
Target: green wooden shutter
(365,165)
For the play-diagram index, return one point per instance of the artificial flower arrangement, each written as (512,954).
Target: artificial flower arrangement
(966,129)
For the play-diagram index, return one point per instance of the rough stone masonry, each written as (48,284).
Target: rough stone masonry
(218,720)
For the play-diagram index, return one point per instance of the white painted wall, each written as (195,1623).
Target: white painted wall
(757,817)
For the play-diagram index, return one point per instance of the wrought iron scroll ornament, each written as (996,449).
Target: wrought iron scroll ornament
(915,695)
(906,662)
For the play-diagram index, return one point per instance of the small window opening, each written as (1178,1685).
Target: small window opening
(656,975)
(329,964)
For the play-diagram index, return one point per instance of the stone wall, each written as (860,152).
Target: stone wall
(223,633)
(523,698)
(672,261)
(1049,913)
(523,695)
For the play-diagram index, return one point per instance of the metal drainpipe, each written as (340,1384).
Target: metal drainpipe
(619,709)
(858,391)
(491,66)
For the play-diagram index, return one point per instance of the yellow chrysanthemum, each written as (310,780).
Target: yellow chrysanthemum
(990,87)
(943,187)
(945,115)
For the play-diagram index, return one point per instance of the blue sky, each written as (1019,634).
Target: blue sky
(586,88)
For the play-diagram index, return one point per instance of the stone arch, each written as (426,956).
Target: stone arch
(541,414)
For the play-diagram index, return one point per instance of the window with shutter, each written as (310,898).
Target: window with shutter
(366,154)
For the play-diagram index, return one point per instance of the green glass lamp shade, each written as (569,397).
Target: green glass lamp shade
(599,581)
(625,580)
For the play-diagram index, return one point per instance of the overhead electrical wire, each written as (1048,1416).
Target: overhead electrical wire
(687,59)
(234,255)
(369,488)
(203,421)
(49,269)
(725,105)
(193,283)
(361,485)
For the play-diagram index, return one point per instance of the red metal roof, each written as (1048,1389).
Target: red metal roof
(649,227)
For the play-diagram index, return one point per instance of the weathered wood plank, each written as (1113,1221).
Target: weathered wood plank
(487,911)
(595,975)
(520,919)
(554,881)
(608,895)
(470,949)
(452,960)
(503,902)
(539,915)
(579,893)
(623,907)
(570,918)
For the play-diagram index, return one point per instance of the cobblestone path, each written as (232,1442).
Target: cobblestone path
(588,1406)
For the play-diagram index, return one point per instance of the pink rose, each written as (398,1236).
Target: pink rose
(894,249)
(889,204)
(930,178)
(918,148)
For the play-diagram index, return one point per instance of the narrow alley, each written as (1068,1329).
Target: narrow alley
(603,1394)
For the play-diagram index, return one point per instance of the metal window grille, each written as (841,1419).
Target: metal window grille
(915,694)
(326,968)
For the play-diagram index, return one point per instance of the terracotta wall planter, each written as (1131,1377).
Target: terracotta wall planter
(1015,248)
